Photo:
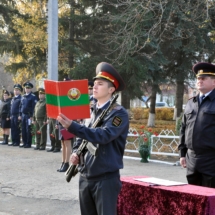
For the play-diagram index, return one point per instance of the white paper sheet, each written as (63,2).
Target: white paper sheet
(29,121)
(157,181)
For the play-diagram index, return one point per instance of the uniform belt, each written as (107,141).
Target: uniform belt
(101,177)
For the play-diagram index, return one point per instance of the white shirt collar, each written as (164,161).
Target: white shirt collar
(101,106)
(206,94)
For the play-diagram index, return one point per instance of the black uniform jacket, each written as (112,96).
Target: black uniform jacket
(15,103)
(198,126)
(27,105)
(5,108)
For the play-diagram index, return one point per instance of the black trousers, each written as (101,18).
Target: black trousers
(99,197)
(201,168)
(26,130)
(15,129)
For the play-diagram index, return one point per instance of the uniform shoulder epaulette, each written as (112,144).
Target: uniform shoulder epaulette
(117,107)
(32,94)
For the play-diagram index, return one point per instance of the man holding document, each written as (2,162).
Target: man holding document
(99,183)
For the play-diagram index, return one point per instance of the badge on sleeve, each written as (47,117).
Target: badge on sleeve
(116,121)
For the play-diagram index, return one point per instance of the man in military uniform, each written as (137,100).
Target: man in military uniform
(99,183)
(14,115)
(40,121)
(197,138)
(27,105)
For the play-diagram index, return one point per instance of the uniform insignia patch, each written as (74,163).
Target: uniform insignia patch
(116,121)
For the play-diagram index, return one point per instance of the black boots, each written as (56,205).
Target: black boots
(5,139)
(64,167)
(60,167)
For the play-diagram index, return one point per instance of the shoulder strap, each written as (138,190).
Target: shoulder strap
(115,106)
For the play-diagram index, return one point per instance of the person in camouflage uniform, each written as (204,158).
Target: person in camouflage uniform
(40,121)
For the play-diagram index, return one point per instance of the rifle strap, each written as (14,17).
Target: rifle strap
(90,146)
(93,115)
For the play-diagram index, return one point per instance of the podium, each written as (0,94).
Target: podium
(139,198)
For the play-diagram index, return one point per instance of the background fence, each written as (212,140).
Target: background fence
(165,143)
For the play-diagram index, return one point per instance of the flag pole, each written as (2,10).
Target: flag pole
(53,40)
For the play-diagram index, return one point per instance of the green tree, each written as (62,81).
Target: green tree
(169,36)
(80,49)
(26,42)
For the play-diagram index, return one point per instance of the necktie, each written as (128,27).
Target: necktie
(201,98)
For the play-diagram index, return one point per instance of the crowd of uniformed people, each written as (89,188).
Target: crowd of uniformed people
(16,113)
(23,119)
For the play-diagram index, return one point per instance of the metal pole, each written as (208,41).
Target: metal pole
(53,40)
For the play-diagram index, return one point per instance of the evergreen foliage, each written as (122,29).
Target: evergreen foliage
(149,42)
(168,36)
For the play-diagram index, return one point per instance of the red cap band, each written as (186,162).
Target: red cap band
(109,77)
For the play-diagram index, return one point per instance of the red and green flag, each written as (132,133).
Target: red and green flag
(67,97)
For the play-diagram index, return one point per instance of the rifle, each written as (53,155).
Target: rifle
(73,169)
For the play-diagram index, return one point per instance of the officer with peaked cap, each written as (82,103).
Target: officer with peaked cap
(18,87)
(28,85)
(14,112)
(40,121)
(102,170)
(197,140)
(26,111)
(204,69)
(107,71)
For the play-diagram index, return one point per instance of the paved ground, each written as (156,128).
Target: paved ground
(30,184)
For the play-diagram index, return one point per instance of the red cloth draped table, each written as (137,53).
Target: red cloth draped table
(139,198)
